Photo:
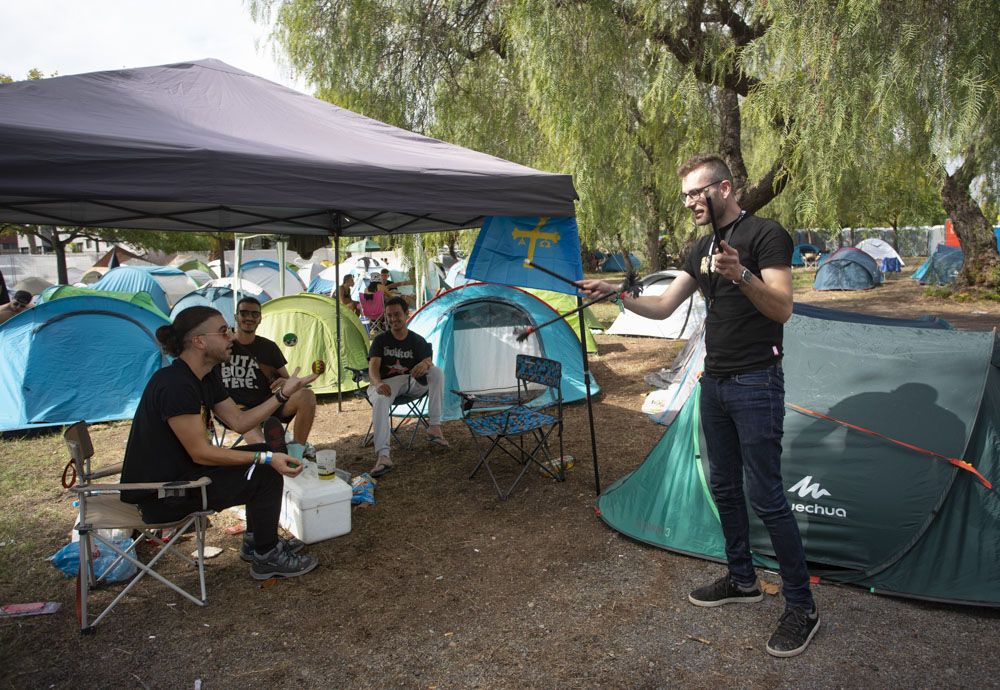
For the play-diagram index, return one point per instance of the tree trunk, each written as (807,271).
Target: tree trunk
(752,197)
(981,267)
(653,227)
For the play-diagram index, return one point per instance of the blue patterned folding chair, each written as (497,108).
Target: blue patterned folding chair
(502,423)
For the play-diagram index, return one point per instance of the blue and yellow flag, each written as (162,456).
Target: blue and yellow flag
(506,242)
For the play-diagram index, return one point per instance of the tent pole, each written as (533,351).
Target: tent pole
(590,407)
(336,288)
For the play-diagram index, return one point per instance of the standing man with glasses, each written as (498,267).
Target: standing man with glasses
(747,285)
(169,441)
(256,371)
(21,301)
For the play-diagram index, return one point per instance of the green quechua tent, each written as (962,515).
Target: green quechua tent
(305,328)
(891,437)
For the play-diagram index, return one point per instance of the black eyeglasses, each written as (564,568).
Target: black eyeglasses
(697,193)
(247,314)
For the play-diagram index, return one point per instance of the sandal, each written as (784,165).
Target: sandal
(438,441)
(381,469)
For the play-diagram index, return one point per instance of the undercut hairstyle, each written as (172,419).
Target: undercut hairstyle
(247,300)
(174,337)
(400,301)
(711,161)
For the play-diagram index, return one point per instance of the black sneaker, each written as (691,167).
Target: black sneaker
(724,591)
(274,435)
(280,563)
(795,630)
(246,550)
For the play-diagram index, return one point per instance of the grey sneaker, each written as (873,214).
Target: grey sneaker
(246,550)
(795,631)
(280,563)
(724,591)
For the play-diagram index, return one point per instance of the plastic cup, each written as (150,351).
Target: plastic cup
(326,463)
(295,450)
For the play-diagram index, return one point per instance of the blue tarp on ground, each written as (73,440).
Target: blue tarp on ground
(77,358)
(471,329)
(132,279)
(220,298)
(847,269)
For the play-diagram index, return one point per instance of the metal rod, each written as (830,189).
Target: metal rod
(336,273)
(590,407)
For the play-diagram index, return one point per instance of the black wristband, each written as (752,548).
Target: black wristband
(281,398)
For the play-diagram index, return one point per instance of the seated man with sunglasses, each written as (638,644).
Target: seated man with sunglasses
(256,371)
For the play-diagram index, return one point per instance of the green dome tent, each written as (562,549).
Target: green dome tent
(305,328)
(563,303)
(141,299)
(895,502)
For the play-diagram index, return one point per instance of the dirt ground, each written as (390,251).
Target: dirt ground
(441,585)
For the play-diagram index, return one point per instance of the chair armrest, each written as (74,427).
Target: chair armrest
(145,486)
(107,471)
(358,375)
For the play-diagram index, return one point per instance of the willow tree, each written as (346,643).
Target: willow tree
(615,93)
(859,77)
(803,101)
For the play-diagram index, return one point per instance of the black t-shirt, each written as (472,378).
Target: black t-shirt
(738,338)
(154,453)
(251,368)
(399,356)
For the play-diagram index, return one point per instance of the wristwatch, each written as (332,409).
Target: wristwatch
(745,277)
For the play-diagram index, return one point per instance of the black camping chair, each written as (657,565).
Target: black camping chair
(508,424)
(412,404)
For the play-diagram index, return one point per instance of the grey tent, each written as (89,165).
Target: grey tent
(203,145)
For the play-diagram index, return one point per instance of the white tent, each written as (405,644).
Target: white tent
(246,287)
(264,272)
(879,250)
(681,324)
(456,274)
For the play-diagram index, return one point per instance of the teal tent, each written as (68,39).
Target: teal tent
(889,507)
(86,357)
(941,267)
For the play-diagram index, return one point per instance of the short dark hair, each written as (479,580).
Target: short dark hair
(247,299)
(720,170)
(22,296)
(400,301)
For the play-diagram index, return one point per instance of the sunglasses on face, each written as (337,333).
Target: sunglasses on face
(223,330)
(248,314)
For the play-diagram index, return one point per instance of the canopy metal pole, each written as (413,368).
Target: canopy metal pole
(590,408)
(336,288)
(237,261)
(281,265)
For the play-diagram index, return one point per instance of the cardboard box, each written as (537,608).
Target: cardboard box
(315,509)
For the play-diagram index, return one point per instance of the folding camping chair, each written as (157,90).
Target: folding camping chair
(519,431)
(101,509)
(411,404)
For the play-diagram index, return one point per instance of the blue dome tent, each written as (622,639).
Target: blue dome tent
(613,263)
(77,358)
(941,267)
(132,279)
(797,259)
(265,273)
(220,298)
(471,329)
(847,269)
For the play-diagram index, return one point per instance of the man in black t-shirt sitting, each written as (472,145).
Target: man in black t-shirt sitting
(169,441)
(400,362)
(256,369)
(745,275)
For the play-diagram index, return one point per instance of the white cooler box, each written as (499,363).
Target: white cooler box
(315,509)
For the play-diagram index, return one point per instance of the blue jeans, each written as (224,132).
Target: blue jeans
(743,418)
